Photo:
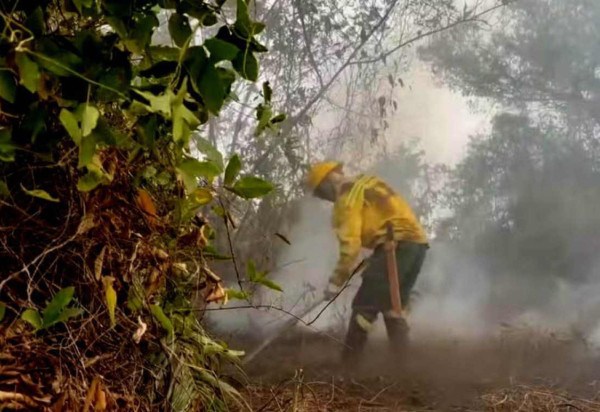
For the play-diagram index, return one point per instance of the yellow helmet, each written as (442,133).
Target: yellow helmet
(319,171)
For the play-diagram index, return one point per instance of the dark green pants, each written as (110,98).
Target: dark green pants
(373,296)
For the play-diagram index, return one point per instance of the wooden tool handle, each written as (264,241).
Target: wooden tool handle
(392,268)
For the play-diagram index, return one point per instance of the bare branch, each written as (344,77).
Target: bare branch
(419,36)
(311,57)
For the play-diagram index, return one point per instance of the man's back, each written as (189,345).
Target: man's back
(371,201)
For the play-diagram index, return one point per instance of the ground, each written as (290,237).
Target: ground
(516,370)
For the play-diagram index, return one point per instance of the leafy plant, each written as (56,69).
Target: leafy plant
(102,140)
(56,311)
(260,277)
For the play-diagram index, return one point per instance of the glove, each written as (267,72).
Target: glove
(331,291)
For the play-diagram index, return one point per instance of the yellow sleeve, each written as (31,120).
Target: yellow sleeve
(348,227)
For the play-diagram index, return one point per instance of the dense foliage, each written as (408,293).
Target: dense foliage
(106,190)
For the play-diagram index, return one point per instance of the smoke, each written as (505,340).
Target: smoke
(461,292)
(457,295)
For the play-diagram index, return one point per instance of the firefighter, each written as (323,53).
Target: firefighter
(364,207)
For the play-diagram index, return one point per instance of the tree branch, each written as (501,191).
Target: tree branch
(341,69)
(311,57)
(420,36)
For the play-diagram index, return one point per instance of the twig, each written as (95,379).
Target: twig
(293,119)
(569,405)
(231,250)
(36,260)
(278,389)
(431,33)
(378,394)
(354,272)
(311,57)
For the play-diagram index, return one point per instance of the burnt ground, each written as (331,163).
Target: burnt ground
(514,370)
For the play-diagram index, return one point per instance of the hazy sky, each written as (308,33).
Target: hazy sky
(438,116)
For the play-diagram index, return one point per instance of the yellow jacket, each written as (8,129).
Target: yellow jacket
(360,216)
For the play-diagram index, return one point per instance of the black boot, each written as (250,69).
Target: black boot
(356,339)
(397,331)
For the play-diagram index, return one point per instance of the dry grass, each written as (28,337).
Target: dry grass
(536,399)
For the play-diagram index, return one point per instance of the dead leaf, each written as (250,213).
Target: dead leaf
(137,336)
(96,395)
(59,405)
(285,239)
(91,394)
(180,268)
(160,254)
(218,295)
(211,275)
(98,263)
(154,282)
(100,404)
(87,223)
(146,204)
(17,398)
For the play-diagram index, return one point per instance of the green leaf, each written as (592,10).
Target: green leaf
(118,25)
(80,4)
(7,148)
(67,314)
(258,27)
(2,311)
(211,89)
(250,187)
(159,104)
(233,169)
(206,80)
(237,294)
(89,118)
(246,65)
(221,50)
(184,390)
(110,296)
(34,122)
(135,297)
(278,119)
(39,193)
(69,122)
(184,120)
(4,191)
(211,152)
(35,22)
(164,321)
(251,271)
(179,29)
(51,313)
(95,176)
(158,53)
(29,72)
(8,87)
(243,22)
(263,114)
(87,149)
(201,196)
(267,92)
(268,283)
(190,170)
(141,34)
(32,317)
(89,182)
(260,277)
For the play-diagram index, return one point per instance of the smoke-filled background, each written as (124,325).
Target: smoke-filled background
(493,137)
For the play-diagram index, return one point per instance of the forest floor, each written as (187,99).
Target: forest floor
(518,371)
